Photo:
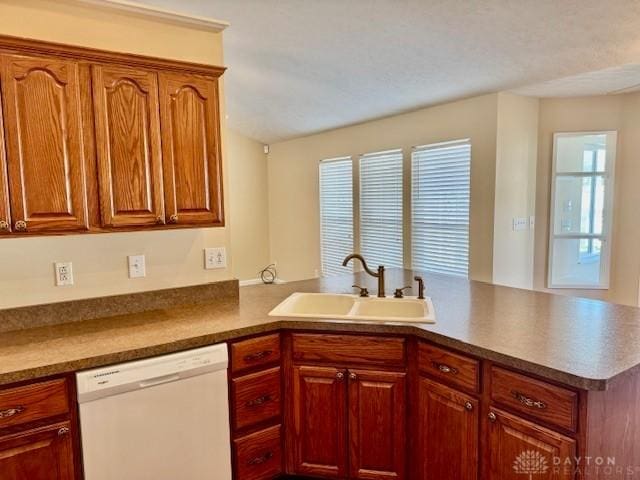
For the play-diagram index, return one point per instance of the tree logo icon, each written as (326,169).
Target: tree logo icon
(530,462)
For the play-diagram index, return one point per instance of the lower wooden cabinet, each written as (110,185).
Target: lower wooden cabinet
(258,456)
(447,443)
(44,453)
(319,430)
(518,448)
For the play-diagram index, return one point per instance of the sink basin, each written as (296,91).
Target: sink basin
(352,307)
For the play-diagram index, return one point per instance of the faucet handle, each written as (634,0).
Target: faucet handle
(364,292)
(399,293)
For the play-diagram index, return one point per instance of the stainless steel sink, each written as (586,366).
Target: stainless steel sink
(353,307)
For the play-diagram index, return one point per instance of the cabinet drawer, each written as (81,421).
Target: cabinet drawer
(255,352)
(28,403)
(351,349)
(449,367)
(549,403)
(256,397)
(258,456)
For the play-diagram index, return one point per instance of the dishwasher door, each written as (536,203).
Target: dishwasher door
(166,418)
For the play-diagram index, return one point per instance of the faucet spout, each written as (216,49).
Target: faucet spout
(379,274)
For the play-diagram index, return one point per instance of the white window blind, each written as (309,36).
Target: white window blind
(440,207)
(381,208)
(336,214)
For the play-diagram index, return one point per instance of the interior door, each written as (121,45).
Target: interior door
(127,126)
(40,454)
(447,433)
(191,150)
(518,448)
(320,430)
(377,403)
(46,164)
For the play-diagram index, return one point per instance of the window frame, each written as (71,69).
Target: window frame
(605,237)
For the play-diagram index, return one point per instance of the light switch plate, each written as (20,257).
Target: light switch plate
(520,223)
(64,273)
(215,257)
(137,267)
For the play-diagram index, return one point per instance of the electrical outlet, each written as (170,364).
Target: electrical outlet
(64,273)
(137,268)
(215,257)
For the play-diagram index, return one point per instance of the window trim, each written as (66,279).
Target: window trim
(605,236)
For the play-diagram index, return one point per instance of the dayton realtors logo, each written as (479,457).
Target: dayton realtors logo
(530,463)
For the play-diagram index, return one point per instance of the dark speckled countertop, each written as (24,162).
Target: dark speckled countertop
(580,342)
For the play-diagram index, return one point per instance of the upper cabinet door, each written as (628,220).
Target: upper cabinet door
(191,149)
(5,221)
(46,164)
(128,146)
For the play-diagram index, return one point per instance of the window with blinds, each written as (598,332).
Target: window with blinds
(440,207)
(381,208)
(336,214)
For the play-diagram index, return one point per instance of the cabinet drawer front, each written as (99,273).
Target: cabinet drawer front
(33,402)
(256,398)
(549,403)
(258,456)
(349,349)
(255,352)
(449,367)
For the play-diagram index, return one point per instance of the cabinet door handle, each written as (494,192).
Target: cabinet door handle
(527,401)
(468,406)
(63,431)
(261,459)
(4,226)
(159,219)
(173,218)
(339,376)
(20,226)
(10,412)
(444,368)
(353,376)
(492,417)
(255,357)
(256,402)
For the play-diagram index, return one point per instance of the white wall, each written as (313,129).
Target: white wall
(174,258)
(516,159)
(293,178)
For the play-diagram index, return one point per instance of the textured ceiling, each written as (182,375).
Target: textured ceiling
(301,66)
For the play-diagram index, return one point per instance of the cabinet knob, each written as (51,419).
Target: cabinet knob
(4,226)
(492,417)
(173,218)
(353,376)
(339,375)
(21,226)
(468,406)
(63,431)
(159,219)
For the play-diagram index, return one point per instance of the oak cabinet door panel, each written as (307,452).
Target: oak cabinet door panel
(128,146)
(40,454)
(448,423)
(191,149)
(319,399)
(5,220)
(518,448)
(377,404)
(46,164)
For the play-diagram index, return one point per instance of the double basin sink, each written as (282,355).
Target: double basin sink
(353,307)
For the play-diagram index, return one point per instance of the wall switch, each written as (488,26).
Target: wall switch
(215,257)
(64,273)
(520,223)
(137,267)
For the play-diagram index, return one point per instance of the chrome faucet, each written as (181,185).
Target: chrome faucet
(379,275)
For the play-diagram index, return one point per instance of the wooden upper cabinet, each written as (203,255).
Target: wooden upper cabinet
(127,127)
(191,149)
(377,405)
(447,431)
(45,159)
(5,221)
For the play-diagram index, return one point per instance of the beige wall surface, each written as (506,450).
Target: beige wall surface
(516,159)
(293,178)
(174,258)
(620,113)
(247,165)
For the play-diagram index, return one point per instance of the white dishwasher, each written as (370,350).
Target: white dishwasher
(165,418)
